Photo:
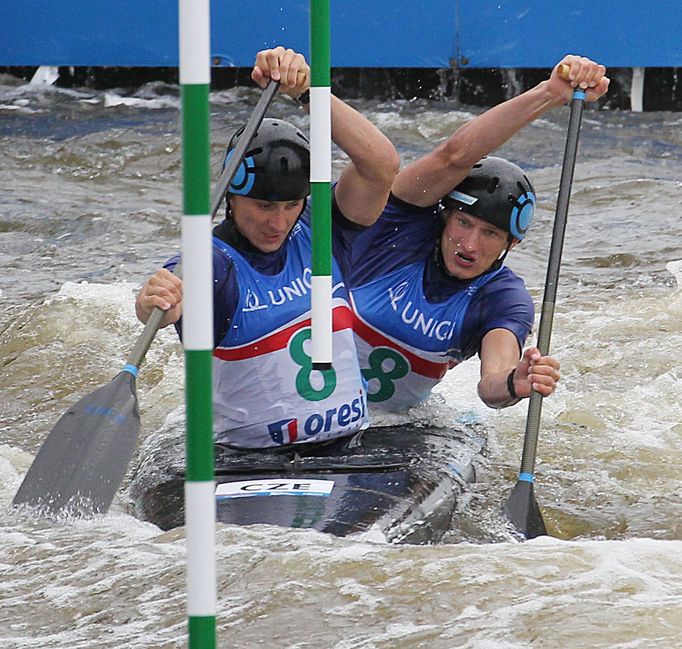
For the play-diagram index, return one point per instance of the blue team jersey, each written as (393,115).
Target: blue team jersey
(226,287)
(412,321)
(265,391)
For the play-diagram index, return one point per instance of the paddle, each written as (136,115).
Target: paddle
(521,508)
(83,460)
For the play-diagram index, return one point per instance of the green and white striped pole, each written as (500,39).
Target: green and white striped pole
(195,81)
(320,183)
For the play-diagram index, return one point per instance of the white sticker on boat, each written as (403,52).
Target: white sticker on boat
(274,487)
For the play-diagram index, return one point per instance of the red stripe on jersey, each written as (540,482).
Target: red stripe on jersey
(342,318)
(419,365)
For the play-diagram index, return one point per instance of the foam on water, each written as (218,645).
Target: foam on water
(92,206)
(118,298)
(111,100)
(675,268)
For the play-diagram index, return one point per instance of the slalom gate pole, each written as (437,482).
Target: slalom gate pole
(320,183)
(195,81)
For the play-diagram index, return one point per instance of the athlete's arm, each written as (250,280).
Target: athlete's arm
(428,179)
(362,189)
(499,356)
(364,185)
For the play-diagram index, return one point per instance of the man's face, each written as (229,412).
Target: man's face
(266,224)
(470,245)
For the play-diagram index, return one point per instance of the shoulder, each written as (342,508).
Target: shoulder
(398,210)
(501,303)
(507,281)
(224,257)
(401,222)
(504,302)
(505,291)
(403,234)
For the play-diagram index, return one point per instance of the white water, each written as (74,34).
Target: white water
(91,205)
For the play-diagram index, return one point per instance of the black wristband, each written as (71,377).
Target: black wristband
(304,98)
(510,384)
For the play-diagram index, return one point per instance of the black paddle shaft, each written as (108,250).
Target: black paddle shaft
(521,507)
(553,266)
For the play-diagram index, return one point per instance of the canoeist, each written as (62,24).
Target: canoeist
(265,392)
(428,284)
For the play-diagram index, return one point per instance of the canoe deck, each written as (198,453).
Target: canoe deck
(403,481)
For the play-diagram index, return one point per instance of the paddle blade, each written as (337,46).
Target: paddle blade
(523,511)
(85,457)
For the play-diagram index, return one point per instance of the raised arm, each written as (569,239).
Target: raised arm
(364,185)
(425,181)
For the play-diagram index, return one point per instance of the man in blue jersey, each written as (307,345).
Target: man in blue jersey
(428,284)
(265,391)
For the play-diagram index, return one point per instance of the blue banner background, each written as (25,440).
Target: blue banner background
(380,34)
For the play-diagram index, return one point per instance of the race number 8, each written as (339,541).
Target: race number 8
(304,385)
(399,368)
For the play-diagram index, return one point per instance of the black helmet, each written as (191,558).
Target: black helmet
(276,166)
(498,192)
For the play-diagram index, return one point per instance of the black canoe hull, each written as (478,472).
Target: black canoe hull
(404,482)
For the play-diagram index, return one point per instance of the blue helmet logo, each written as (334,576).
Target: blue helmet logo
(522,215)
(245,176)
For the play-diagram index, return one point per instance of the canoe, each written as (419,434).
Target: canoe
(402,481)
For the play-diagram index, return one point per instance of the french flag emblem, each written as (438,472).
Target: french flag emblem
(284,431)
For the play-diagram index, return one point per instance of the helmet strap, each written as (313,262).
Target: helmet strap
(498,264)
(438,259)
